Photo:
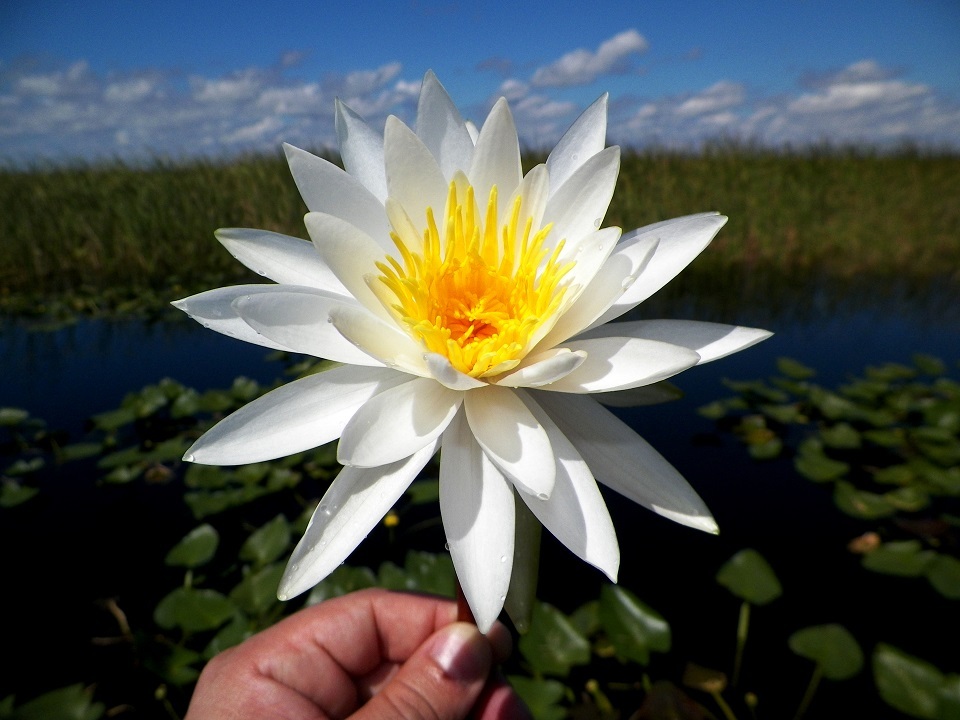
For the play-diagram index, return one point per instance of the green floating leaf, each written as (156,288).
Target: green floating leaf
(713,411)
(195,549)
(890,372)
(267,543)
(885,437)
(861,503)
(193,610)
(343,580)
(24,467)
(905,558)
(785,414)
(233,633)
(422,492)
(553,645)
(841,436)
(79,451)
(422,572)
(13,493)
(794,369)
(257,592)
(542,697)
(179,666)
(766,450)
(907,683)
(631,626)
(895,475)
(114,419)
(832,647)
(908,499)
(943,573)
(929,365)
(10,416)
(813,464)
(74,702)
(123,474)
(749,576)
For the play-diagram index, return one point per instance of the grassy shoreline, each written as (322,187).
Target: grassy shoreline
(113,237)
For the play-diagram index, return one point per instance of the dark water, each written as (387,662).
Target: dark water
(70,546)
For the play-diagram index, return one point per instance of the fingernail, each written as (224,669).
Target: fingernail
(462,653)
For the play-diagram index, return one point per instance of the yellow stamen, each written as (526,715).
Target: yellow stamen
(478,293)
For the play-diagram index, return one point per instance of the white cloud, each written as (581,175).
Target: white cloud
(582,66)
(68,111)
(720,96)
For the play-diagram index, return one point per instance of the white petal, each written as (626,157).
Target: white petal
(441,127)
(711,341)
(496,159)
(577,208)
(585,138)
(575,512)
(413,176)
(477,507)
(326,188)
(625,462)
(282,258)
(543,368)
(397,423)
(654,394)
(214,310)
(300,321)
(532,192)
(609,283)
(381,340)
(617,363)
(511,436)
(590,253)
(361,149)
(522,593)
(680,241)
(443,371)
(350,253)
(352,506)
(300,415)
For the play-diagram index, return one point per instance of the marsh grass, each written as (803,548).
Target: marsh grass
(110,235)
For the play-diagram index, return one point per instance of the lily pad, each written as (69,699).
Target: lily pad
(553,645)
(905,558)
(193,610)
(794,369)
(542,697)
(267,543)
(943,572)
(195,549)
(861,503)
(842,436)
(257,592)
(832,647)
(10,416)
(74,702)
(907,683)
(813,464)
(632,626)
(749,576)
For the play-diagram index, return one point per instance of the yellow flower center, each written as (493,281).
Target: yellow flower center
(478,291)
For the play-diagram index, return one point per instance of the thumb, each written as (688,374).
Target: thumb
(442,679)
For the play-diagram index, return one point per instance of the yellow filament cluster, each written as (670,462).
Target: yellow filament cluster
(476,292)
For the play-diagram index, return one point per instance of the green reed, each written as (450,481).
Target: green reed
(98,235)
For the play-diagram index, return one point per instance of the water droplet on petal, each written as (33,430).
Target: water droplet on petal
(446,546)
(503,558)
(188,457)
(574,156)
(543,496)
(597,221)
(627,282)
(503,598)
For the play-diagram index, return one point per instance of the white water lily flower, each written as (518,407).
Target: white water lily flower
(469,306)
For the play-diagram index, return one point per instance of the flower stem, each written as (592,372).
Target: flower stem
(724,707)
(811,691)
(743,625)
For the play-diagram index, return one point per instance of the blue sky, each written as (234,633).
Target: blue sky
(119,78)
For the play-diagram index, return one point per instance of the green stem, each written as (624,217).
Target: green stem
(811,690)
(743,625)
(724,707)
